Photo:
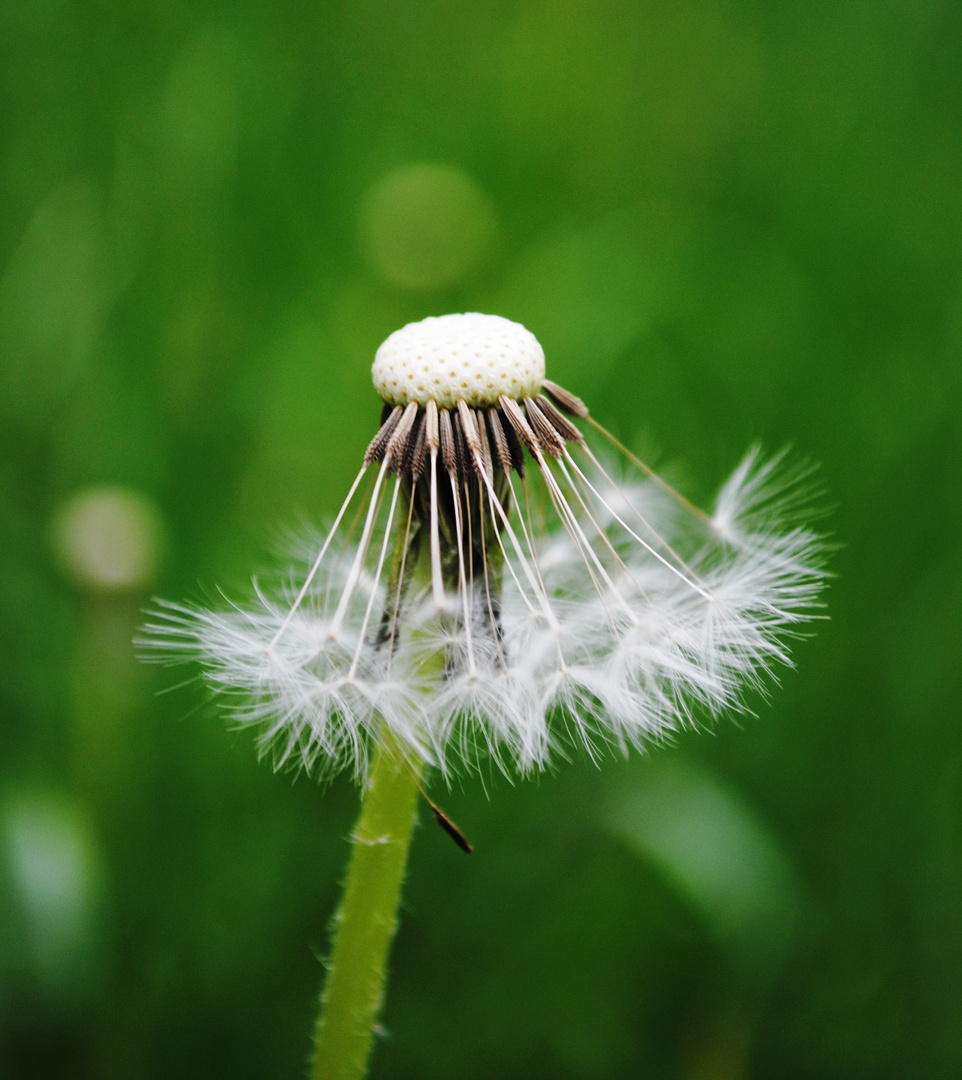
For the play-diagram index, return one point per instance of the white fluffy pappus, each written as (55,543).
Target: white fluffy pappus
(504,593)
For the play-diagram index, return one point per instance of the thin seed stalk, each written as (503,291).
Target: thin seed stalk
(367,919)
(366,922)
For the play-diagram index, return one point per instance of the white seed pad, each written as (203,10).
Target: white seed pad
(474,357)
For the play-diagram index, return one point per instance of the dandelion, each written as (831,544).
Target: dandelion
(504,590)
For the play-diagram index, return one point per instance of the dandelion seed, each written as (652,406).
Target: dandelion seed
(507,592)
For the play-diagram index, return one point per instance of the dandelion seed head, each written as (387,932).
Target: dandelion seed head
(506,591)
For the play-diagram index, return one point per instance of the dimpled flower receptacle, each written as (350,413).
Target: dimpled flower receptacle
(507,592)
(471,358)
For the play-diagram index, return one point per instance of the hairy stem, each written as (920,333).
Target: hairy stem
(366,922)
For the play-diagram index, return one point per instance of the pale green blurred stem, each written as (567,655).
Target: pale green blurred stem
(366,922)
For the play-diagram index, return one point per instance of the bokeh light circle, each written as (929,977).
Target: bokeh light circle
(427,226)
(109,538)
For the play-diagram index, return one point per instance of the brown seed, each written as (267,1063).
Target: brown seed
(563,426)
(378,444)
(565,400)
(551,442)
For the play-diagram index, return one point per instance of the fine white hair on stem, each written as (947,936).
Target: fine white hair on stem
(593,605)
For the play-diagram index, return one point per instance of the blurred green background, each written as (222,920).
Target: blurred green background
(726,221)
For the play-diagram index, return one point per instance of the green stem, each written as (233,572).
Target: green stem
(365,925)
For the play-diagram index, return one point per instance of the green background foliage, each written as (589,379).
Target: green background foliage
(726,222)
